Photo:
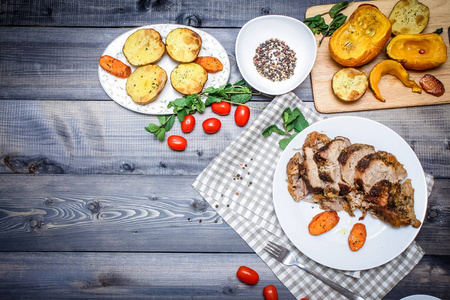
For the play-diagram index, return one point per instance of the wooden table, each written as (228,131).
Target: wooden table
(93,206)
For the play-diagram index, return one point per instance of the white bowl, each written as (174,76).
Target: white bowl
(293,32)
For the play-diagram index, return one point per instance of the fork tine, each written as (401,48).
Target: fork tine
(276,246)
(271,251)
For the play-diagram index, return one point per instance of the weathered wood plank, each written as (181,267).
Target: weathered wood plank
(131,275)
(101,137)
(169,276)
(138,213)
(110,213)
(62,63)
(125,13)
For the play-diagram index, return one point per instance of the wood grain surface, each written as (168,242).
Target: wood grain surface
(395,93)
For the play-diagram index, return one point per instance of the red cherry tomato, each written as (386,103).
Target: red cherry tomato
(177,143)
(188,123)
(221,108)
(270,293)
(247,275)
(242,115)
(211,125)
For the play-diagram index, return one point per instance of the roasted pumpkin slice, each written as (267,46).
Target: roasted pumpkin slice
(361,38)
(392,67)
(418,51)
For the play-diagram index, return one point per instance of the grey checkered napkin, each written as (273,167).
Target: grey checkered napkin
(238,185)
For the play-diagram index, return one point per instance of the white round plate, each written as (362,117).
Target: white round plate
(331,249)
(420,297)
(115,87)
(293,32)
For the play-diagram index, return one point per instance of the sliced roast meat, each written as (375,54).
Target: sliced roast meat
(329,168)
(296,185)
(376,167)
(308,168)
(349,158)
(398,210)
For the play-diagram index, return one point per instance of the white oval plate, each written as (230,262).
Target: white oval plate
(115,87)
(292,31)
(420,297)
(331,248)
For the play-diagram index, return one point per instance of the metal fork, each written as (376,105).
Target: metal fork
(286,257)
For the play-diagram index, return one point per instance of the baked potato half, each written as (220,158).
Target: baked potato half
(183,45)
(409,17)
(144,47)
(349,84)
(188,78)
(146,83)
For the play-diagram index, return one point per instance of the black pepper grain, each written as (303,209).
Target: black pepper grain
(275,60)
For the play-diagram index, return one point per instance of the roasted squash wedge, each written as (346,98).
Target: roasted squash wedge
(409,17)
(392,67)
(418,51)
(361,38)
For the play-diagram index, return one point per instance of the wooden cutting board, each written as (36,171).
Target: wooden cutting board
(395,93)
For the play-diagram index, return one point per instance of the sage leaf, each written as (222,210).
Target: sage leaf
(337,8)
(284,142)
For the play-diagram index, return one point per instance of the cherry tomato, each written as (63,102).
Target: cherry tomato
(221,108)
(177,142)
(247,275)
(188,123)
(270,293)
(211,125)
(242,115)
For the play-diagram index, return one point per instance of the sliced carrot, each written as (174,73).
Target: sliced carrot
(209,63)
(114,66)
(357,237)
(323,222)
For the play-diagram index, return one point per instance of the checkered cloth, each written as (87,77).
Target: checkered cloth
(238,185)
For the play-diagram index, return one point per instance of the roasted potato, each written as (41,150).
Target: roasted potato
(409,17)
(349,84)
(183,45)
(145,84)
(188,78)
(144,47)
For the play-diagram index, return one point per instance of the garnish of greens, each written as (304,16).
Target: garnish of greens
(318,25)
(292,120)
(238,93)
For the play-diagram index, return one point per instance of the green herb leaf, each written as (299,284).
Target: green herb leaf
(439,30)
(337,8)
(336,23)
(169,123)
(271,129)
(316,24)
(161,134)
(240,98)
(152,128)
(300,123)
(284,142)
(212,99)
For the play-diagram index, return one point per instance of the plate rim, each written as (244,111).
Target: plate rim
(167,111)
(422,184)
(274,16)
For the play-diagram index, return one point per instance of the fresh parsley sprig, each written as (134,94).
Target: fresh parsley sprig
(238,93)
(292,120)
(160,131)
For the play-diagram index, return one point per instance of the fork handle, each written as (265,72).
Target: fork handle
(350,295)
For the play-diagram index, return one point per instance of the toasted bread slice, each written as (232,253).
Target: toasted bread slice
(409,17)
(349,84)
(188,78)
(145,84)
(183,45)
(144,47)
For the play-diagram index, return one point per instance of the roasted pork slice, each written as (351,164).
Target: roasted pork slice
(376,167)
(329,168)
(349,158)
(398,209)
(296,185)
(308,168)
